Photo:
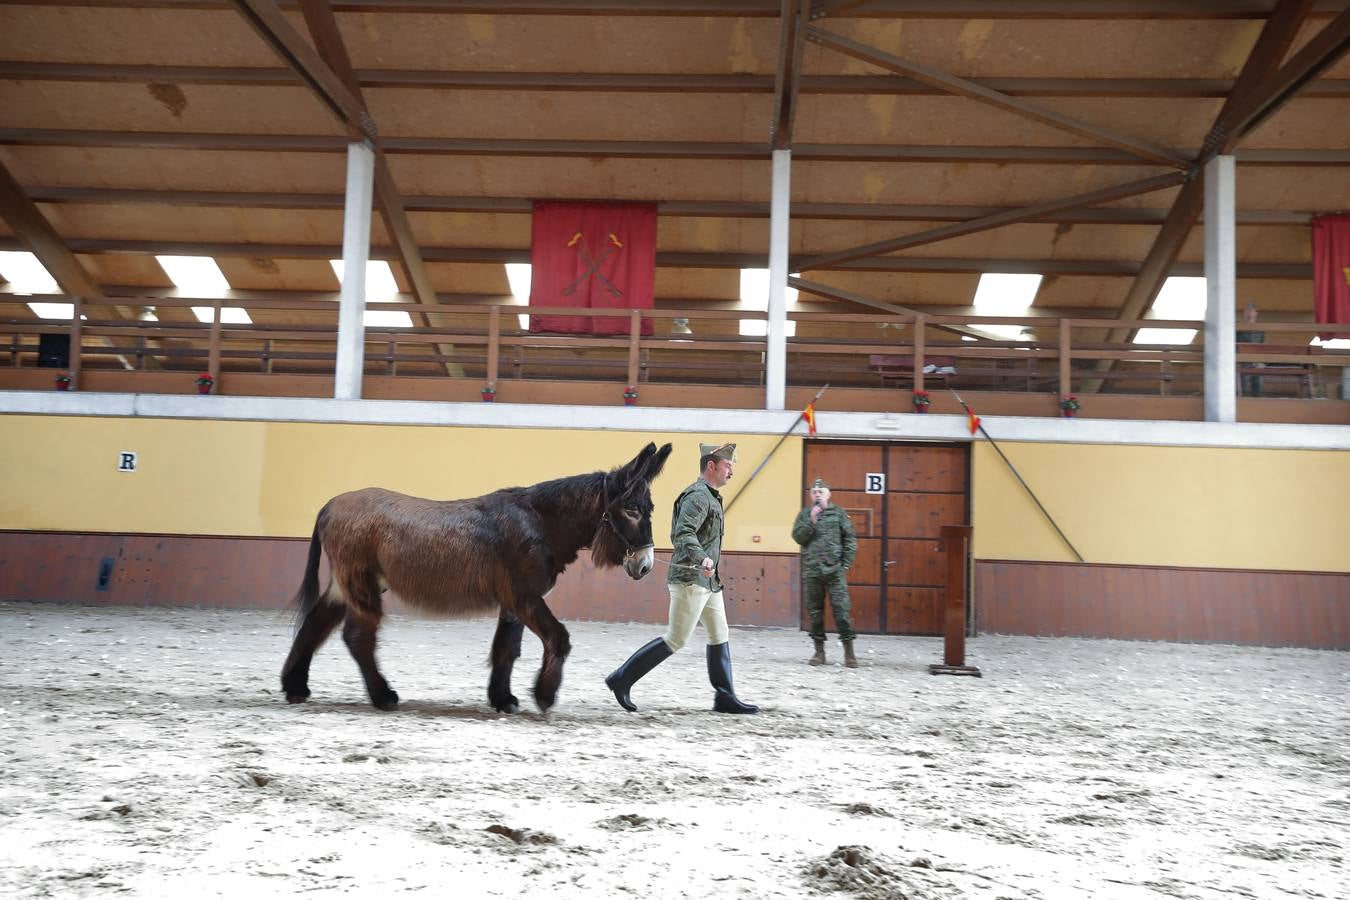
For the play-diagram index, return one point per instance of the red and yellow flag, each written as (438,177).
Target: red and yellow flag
(974,420)
(809,414)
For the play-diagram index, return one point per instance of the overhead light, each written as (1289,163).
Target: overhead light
(680,326)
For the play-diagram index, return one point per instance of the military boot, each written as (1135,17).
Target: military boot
(850,661)
(719,675)
(819,658)
(647,657)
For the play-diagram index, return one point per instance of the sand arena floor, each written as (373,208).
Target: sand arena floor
(150,753)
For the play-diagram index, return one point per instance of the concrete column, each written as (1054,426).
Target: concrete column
(1220,289)
(775,362)
(355,251)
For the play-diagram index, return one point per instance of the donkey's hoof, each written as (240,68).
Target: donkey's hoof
(510,708)
(545,701)
(508,704)
(297,696)
(388,703)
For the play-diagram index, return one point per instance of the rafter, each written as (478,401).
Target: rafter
(787,79)
(932,9)
(971,90)
(1270,48)
(642,82)
(270,143)
(731,209)
(834,293)
(994,220)
(676,259)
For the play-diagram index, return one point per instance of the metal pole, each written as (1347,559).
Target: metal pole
(351,341)
(1026,487)
(801,415)
(1220,290)
(775,360)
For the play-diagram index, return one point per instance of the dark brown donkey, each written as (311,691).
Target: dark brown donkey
(505,549)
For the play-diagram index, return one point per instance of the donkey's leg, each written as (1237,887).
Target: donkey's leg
(318,623)
(505,652)
(540,619)
(358,633)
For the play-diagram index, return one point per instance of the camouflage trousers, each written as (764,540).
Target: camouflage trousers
(815,587)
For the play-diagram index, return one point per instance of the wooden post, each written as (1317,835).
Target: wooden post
(1065,367)
(76,341)
(494,345)
(213,352)
(918,353)
(954,540)
(634,345)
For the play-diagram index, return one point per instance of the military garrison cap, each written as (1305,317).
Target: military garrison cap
(819,483)
(721,451)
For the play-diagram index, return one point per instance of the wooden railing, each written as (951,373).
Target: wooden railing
(483,344)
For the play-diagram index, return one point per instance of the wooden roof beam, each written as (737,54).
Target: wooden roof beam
(731,209)
(793,19)
(994,220)
(963,87)
(1270,48)
(642,82)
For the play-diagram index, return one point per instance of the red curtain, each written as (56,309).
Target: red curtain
(594,255)
(1331,271)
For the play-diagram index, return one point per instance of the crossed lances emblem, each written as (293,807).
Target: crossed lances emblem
(593,264)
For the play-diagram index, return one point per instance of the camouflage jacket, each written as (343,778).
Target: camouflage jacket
(828,544)
(695,533)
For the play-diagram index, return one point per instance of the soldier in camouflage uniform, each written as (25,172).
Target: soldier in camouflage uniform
(829,546)
(695,587)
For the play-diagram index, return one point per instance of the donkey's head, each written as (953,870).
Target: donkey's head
(628,512)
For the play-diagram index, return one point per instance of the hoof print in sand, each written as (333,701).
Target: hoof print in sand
(631,822)
(865,809)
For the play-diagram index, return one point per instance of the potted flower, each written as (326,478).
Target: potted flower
(921,401)
(1069,405)
(205,382)
(63,381)
(489,393)
(630,396)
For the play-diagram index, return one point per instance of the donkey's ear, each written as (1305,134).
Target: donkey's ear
(632,470)
(656,463)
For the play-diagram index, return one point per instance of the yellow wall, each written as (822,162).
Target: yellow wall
(270,478)
(1168,506)
(1263,509)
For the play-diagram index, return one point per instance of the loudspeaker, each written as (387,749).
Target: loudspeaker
(54,351)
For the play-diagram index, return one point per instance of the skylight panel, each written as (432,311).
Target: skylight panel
(1005,294)
(1181,297)
(380,288)
(518,275)
(199,276)
(755,295)
(26,275)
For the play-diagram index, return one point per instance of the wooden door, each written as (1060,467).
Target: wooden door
(897,581)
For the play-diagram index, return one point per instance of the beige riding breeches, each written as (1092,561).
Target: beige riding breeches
(689,605)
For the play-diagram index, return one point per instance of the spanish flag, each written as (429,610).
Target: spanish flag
(974,420)
(809,414)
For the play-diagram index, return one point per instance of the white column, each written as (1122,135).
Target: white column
(1221,290)
(351,341)
(775,362)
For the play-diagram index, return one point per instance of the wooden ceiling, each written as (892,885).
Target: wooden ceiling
(135,128)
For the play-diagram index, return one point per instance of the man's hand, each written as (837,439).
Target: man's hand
(815,513)
(707,567)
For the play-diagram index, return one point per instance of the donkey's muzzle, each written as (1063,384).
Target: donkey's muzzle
(638,563)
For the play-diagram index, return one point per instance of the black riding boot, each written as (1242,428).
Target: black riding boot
(719,673)
(622,679)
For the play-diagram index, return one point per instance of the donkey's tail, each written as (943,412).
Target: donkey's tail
(308,595)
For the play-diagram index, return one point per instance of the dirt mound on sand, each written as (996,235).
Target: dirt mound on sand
(858,871)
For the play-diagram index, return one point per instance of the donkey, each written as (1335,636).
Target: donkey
(505,550)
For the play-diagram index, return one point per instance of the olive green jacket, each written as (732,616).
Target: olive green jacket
(696,533)
(829,544)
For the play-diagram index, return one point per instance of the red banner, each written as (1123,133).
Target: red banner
(592,255)
(1331,271)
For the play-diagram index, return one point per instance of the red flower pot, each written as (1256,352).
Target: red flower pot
(489,396)
(922,408)
(1070,413)
(204,388)
(63,385)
